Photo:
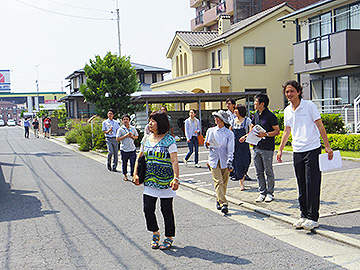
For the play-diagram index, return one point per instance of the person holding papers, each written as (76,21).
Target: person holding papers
(220,140)
(265,127)
(303,120)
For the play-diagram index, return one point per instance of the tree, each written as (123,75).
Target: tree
(110,82)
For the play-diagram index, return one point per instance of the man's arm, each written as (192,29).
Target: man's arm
(284,139)
(323,134)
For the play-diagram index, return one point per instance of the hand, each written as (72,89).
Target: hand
(330,153)
(261,134)
(278,156)
(242,139)
(136,179)
(207,144)
(174,184)
(129,134)
(110,129)
(188,140)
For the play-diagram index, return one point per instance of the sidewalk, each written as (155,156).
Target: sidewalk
(339,209)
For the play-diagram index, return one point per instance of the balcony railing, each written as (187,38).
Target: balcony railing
(199,19)
(318,49)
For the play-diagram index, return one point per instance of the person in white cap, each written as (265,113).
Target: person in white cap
(220,140)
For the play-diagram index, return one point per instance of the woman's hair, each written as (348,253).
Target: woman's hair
(296,85)
(162,121)
(125,116)
(242,109)
(192,110)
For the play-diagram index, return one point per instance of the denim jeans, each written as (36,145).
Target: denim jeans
(125,156)
(194,143)
(263,160)
(308,177)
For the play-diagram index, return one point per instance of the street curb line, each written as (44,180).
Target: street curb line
(272,214)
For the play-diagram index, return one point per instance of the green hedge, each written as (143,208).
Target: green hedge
(349,142)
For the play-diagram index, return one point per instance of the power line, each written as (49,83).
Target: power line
(63,14)
(94,9)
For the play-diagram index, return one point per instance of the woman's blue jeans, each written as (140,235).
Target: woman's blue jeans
(194,143)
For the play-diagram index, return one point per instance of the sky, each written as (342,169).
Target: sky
(49,39)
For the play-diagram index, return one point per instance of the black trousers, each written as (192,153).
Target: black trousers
(308,176)
(166,205)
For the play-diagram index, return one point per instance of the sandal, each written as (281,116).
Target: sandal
(155,241)
(166,244)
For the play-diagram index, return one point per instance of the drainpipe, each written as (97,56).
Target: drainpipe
(229,54)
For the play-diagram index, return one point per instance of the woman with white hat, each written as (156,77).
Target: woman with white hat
(221,142)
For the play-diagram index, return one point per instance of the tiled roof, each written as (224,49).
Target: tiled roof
(196,38)
(149,68)
(200,38)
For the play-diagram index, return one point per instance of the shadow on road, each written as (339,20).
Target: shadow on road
(208,255)
(18,204)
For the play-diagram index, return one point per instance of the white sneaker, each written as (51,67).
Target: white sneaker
(310,224)
(298,224)
(269,198)
(261,198)
(197,165)
(185,161)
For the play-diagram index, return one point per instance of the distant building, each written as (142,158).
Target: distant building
(10,110)
(208,11)
(76,105)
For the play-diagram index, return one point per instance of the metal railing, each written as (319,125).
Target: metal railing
(199,19)
(317,49)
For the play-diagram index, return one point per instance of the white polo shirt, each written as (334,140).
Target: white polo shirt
(305,133)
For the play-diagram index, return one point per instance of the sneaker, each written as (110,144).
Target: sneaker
(109,167)
(298,224)
(310,224)
(197,165)
(218,207)
(269,198)
(261,198)
(185,161)
(225,209)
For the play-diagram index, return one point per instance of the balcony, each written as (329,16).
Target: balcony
(334,51)
(209,17)
(195,3)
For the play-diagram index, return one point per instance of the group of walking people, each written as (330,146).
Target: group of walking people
(35,124)
(228,153)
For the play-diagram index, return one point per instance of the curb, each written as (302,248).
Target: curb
(258,209)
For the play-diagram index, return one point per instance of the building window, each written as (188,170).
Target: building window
(347,17)
(185,64)
(250,100)
(219,58)
(322,94)
(142,77)
(342,88)
(154,77)
(254,55)
(213,60)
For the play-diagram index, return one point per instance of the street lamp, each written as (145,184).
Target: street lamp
(37,87)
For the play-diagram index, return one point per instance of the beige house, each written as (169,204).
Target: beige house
(251,55)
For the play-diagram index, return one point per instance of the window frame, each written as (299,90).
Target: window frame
(254,63)
(219,57)
(348,17)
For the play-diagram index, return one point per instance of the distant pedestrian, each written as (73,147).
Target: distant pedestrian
(302,119)
(126,135)
(35,125)
(161,178)
(47,125)
(242,157)
(171,129)
(264,150)
(110,128)
(230,105)
(27,127)
(221,142)
(192,131)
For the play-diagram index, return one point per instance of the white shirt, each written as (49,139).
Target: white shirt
(106,124)
(225,146)
(191,126)
(232,116)
(304,131)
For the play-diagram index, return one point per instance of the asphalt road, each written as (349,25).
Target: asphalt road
(60,209)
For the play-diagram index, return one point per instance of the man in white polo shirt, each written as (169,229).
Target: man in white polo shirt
(303,120)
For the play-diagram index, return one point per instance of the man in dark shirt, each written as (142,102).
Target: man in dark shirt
(264,150)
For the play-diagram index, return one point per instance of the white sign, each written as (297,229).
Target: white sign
(5,81)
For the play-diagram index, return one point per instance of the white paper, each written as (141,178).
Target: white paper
(212,141)
(252,138)
(326,164)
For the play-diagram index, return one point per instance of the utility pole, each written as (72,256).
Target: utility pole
(37,87)
(118,25)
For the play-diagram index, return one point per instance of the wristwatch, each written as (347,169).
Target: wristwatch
(267,134)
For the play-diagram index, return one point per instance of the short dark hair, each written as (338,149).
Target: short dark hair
(111,110)
(163,106)
(193,110)
(242,109)
(233,102)
(262,98)
(296,85)
(125,115)
(162,121)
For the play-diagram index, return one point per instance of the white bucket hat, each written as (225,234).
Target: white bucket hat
(222,115)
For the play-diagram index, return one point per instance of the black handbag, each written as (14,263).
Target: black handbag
(141,169)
